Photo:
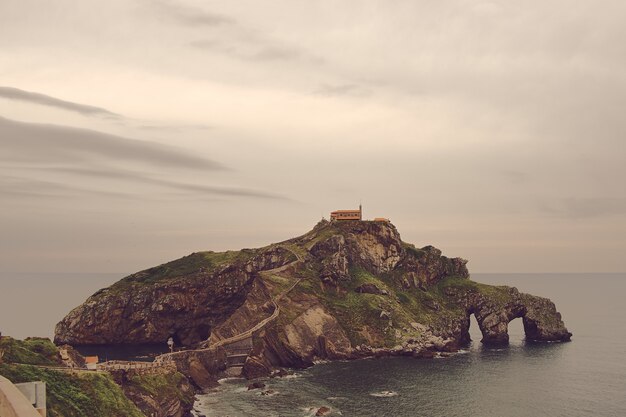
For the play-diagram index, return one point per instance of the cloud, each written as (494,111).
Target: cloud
(52,144)
(174,128)
(142,178)
(188,15)
(49,150)
(256,49)
(585,208)
(236,40)
(28,187)
(513,177)
(276,53)
(12,93)
(334,90)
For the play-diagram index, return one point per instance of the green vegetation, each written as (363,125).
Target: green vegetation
(32,351)
(76,394)
(410,248)
(358,313)
(496,293)
(187,265)
(163,385)
(322,234)
(278,283)
(294,249)
(68,394)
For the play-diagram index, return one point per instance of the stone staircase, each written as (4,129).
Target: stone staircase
(238,347)
(236,355)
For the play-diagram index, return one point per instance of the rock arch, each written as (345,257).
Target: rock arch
(541,321)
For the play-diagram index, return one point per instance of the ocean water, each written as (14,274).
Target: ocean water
(31,304)
(586,377)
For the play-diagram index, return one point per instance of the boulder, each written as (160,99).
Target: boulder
(369,289)
(256,385)
(323,411)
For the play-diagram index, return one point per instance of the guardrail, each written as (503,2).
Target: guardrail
(128,365)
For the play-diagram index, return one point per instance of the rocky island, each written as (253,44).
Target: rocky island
(344,290)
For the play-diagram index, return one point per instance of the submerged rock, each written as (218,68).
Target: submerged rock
(256,385)
(323,411)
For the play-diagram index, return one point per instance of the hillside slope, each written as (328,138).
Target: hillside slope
(358,290)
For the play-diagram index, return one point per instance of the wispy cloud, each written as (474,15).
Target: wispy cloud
(12,93)
(173,128)
(333,90)
(256,49)
(142,178)
(188,15)
(81,155)
(580,208)
(277,53)
(233,39)
(30,142)
(35,188)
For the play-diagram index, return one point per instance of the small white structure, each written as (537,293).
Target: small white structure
(91,362)
(35,393)
(13,403)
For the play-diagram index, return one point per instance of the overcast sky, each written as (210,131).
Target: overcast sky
(136,132)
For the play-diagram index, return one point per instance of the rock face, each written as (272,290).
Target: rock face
(542,323)
(183,299)
(157,393)
(343,290)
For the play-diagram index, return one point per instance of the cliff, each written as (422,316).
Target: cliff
(343,290)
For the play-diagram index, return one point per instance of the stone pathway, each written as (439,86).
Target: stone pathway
(239,347)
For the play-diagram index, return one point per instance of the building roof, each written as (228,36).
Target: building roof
(91,359)
(346,211)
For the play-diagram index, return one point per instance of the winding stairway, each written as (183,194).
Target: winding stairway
(239,346)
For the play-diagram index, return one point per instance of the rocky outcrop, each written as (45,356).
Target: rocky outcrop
(495,309)
(344,290)
(157,393)
(369,289)
(183,299)
(374,246)
(334,258)
(203,367)
(426,266)
(70,357)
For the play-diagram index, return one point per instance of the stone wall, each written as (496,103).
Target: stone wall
(13,403)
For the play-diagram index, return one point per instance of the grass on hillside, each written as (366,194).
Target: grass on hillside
(498,294)
(167,385)
(187,265)
(358,313)
(82,394)
(32,351)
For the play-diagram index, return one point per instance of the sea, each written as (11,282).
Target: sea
(583,378)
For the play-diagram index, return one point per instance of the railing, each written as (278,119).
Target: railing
(126,365)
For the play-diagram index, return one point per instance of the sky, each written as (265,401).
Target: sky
(136,132)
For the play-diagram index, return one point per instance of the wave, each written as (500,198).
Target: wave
(384,394)
(230,378)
